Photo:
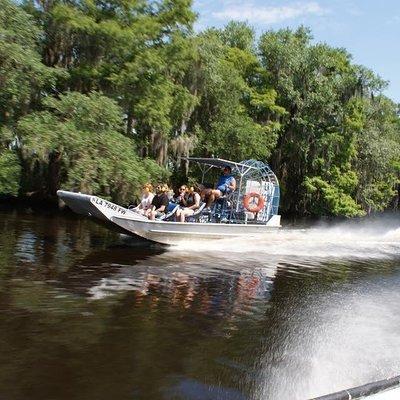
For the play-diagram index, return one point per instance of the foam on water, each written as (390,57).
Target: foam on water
(345,240)
(352,338)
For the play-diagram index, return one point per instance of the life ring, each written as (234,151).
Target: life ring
(250,205)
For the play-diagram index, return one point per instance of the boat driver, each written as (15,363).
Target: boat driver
(159,203)
(226,184)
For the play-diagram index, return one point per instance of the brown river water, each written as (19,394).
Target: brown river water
(87,313)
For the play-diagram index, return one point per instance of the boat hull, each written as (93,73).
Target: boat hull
(100,209)
(176,232)
(170,233)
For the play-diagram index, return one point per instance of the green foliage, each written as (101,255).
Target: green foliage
(238,137)
(239,35)
(135,51)
(332,198)
(22,74)
(10,172)
(94,95)
(76,146)
(321,144)
(378,153)
(228,98)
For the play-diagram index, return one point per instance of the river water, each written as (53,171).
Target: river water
(86,313)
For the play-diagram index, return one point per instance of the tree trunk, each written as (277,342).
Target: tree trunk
(54,172)
(129,123)
(159,148)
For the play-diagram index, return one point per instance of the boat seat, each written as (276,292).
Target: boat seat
(225,199)
(194,217)
(172,208)
(223,206)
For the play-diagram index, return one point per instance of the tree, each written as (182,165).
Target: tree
(10,172)
(378,156)
(23,80)
(77,144)
(316,153)
(22,75)
(134,51)
(113,80)
(232,100)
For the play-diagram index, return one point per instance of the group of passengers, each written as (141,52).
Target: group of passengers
(189,197)
(153,205)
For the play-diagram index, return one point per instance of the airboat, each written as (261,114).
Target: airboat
(249,211)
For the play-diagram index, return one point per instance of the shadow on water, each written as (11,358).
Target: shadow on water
(87,313)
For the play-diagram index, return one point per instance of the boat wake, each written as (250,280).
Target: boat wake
(346,240)
(351,339)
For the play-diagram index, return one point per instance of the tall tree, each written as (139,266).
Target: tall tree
(23,81)
(232,99)
(22,74)
(135,51)
(317,148)
(378,153)
(77,143)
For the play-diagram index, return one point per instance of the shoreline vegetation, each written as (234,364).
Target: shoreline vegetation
(101,97)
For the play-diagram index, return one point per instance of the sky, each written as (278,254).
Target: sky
(367,29)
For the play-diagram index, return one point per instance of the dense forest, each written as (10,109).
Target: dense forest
(100,96)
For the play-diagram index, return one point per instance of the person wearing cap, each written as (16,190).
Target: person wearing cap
(226,184)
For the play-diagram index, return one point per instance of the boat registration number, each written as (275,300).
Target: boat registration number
(109,205)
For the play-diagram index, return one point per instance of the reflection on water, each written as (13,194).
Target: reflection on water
(86,313)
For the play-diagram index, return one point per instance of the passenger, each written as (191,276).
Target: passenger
(226,184)
(181,196)
(171,195)
(191,202)
(147,198)
(160,202)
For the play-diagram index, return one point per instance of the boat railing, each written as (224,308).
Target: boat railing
(252,176)
(365,391)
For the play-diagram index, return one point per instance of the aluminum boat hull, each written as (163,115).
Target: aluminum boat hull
(176,232)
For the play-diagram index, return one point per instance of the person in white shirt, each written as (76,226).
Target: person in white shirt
(147,197)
